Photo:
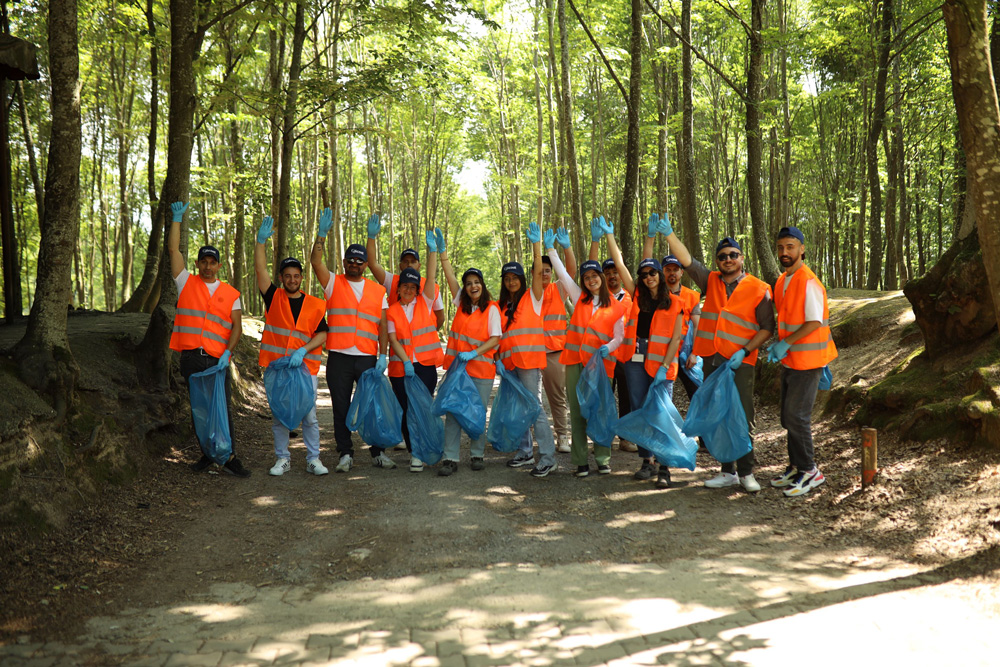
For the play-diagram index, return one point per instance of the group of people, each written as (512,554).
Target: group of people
(546,324)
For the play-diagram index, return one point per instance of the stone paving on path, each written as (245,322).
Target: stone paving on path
(734,611)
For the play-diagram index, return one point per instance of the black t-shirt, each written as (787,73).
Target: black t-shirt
(294,304)
(642,324)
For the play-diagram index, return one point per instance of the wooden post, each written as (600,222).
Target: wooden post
(869,456)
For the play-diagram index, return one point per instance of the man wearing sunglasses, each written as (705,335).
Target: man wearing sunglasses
(356,316)
(737,318)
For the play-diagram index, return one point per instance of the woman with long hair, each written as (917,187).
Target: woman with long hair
(596,327)
(522,349)
(473,338)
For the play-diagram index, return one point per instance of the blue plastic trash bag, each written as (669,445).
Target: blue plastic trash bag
(426,430)
(656,426)
(289,391)
(459,397)
(211,415)
(826,379)
(597,402)
(697,374)
(515,409)
(375,413)
(717,415)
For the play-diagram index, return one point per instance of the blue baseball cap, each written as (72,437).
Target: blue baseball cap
(409,276)
(590,265)
(287,262)
(409,251)
(728,242)
(671,259)
(649,263)
(512,267)
(607,264)
(356,251)
(794,232)
(208,251)
(475,272)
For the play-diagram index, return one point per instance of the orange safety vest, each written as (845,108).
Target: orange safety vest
(588,330)
(523,343)
(817,349)
(393,295)
(554,319)
(728,324)
(203,320)
(625,350)
(689,301)
(419,338)
(353,323)
(467,333)
(661,330)
(283,334)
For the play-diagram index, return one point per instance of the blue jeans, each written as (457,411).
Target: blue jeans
(453,432)
(310,432)
(638,386)
(530,378)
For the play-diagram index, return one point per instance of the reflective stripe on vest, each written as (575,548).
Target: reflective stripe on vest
(203,320)
(588,330)
(554,319)
(729,323)
(522,345)
(418,337)
(468,332)
(816,349)
(283,335)
(354,323)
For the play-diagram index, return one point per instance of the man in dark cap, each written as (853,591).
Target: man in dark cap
(737,318)
(208,323)
(294,326)
(356,316)
(690,311)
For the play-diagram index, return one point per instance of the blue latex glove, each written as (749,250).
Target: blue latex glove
(374,226)
(737,358)
(661,375)
(224,359)
(325,223)
(778,351)
(603,352)
(652,227)
(467,356)
(562,237)
(664,226)
(408,368)
(606,227)
(826,379)
(266,229)
(381,363)
(550,240)
(431,241)
(296,357)
(439,237)
(501,371)
(534,233)
(178,208)
(595,231)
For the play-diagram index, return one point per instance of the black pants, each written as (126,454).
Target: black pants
(621,388)
(428,375)
(196,361)
(689,386)
(342,372)
(743,466)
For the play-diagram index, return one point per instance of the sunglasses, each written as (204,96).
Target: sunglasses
(727,255)
(647,274)
(354,261)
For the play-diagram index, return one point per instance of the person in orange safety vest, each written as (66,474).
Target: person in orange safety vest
(208,322)
(294,326)
(805,347)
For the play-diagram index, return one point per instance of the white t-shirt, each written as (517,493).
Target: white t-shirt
(493,326)
(359,289)
(387,284)
(814,299)
(181,281)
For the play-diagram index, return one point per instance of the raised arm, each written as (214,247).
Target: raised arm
(651,231)
(676,247)
(595,241)
(319,246)
(562,238)
(616,254)
(449,275)
(378,272)
(431,275)
(174,238)
(260,254)
(535,236)
(567,282)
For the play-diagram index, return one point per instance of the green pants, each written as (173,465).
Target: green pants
(578,425)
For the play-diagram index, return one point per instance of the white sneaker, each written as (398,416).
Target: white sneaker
(346,461)
(399,445)
(384,462)
(316,467)
(750,484)
(280,467)
(416,465)
(722,480)
(563,446)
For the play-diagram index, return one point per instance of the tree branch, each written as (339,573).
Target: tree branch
(597,46)
(202,29)
(729,9)
(914,38)
(736,89)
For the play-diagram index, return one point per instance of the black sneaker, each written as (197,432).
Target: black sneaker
(201,464)
(603,469)
(645,472)
(477,463)
(582,471)
(520,461)
(234,467)
(447,468)
(541,471)
(663,478)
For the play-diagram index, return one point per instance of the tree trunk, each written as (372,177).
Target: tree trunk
(566,119)
(11,263)
(689,214)
(632,151)
(874,133)
(288,138)
(44,357)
